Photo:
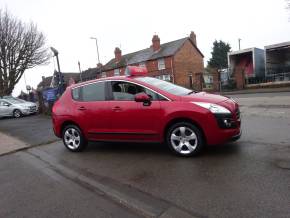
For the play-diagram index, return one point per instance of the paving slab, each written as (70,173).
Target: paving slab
(9,144)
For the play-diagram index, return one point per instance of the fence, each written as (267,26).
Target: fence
(278,77)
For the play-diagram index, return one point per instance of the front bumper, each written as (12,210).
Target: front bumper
(236,137)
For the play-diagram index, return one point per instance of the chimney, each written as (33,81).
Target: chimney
(155,43)
(118,54)
(193,37)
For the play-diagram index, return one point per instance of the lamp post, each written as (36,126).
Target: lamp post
(60,85)
(239,43)
(80,71)
(97,48)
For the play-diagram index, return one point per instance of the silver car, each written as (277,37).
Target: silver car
(16,107)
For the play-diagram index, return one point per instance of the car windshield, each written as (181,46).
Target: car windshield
(166,86)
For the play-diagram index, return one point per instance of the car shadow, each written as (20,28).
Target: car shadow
(221,150)
(157,148)
(127,147)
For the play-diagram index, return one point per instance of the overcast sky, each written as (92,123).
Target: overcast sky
(130,24)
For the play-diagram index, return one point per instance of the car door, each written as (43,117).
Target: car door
(92,110)
(131,120)
(4,108)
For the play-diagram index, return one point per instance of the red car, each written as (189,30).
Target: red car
(138,108)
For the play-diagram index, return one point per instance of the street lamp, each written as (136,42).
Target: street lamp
(80,71)
(60,85)
(97,48)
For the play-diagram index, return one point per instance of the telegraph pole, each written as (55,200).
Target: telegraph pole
(80,71)
(97,48)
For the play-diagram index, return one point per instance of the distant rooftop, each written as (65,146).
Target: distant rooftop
(166,49)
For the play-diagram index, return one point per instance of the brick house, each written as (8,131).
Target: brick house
(179,61)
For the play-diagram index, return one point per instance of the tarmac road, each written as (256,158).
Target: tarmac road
(248,178)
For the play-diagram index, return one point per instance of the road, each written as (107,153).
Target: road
(248,178)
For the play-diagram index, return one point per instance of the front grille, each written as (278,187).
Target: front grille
(32,108)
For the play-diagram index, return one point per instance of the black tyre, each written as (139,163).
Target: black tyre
(184,139)
(73,138)
(17,113)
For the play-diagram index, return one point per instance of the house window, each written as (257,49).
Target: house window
(103,74)
(117,72)
(142,64)
(166,77)
(161,64)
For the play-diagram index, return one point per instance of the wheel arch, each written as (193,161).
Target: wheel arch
(69,122)
(183,119)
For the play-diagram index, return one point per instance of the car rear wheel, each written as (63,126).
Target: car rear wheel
(184,139)
(17,113)
(73,138)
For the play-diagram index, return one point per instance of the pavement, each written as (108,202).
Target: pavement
(257,90)
(248,178)
(10,144)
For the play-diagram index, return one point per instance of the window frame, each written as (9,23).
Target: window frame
(111,97)
(119,72)
(161,64)
(81,99)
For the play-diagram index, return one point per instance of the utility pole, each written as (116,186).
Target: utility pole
(60,85)
(239,43)
(80,71)
(97,48)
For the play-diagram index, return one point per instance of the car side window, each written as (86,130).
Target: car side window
(4,103)
(94,92)
(125,91)
(76,94)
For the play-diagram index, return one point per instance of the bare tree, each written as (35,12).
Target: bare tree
(21,48)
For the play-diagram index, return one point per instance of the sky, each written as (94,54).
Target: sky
(130,25)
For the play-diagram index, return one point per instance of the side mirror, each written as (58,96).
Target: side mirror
(6,104)
(143,97)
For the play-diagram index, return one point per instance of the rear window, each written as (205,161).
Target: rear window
(94,92)
(76,94)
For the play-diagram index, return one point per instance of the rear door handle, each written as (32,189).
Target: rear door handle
(117,108)
(82,108)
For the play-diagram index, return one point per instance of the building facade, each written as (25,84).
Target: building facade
(178,61)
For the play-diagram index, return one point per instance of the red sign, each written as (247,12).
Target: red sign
(136,71)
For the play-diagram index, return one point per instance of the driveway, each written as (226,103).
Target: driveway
(33,130)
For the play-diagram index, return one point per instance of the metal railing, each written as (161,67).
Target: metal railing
(278,77)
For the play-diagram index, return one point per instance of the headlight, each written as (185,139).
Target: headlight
(214,108)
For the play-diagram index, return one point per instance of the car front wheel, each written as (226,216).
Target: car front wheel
(73,138)
(17,113)
(184,139)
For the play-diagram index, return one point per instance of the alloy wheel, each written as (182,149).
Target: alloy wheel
(184,140)
(72,138)
(17,113)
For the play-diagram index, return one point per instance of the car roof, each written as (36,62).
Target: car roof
(125,78)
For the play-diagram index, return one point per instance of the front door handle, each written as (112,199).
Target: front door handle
(82,108)
(117,108)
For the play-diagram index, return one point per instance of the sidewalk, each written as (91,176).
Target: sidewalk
(254,91)
(9,144)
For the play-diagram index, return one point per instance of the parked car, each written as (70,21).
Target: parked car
(138,108)
(16,107)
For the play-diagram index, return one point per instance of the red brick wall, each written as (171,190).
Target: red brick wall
(152,67)
(187,61)
(110,73)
